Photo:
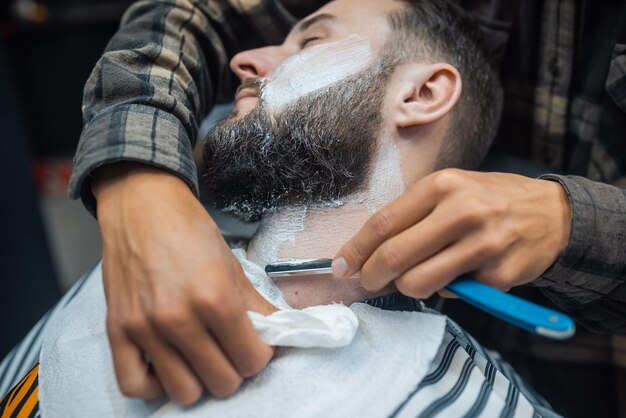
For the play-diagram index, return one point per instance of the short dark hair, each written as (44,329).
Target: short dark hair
(437,30)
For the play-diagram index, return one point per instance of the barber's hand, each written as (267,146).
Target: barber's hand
(175,293)
(503,229)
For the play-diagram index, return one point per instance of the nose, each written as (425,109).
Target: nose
(256,63)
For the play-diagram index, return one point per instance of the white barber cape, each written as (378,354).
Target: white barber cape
(330,361)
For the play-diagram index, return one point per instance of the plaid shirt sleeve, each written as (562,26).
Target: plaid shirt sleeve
(160,75)
(588,278)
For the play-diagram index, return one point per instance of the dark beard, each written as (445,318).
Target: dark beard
(317,149)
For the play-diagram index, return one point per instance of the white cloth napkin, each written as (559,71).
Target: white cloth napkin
(332,361)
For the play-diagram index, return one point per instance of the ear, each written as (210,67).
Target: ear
(425,93)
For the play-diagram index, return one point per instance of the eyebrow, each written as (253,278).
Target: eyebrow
(306,23)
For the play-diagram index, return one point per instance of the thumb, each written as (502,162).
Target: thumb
(391,220)
(353,255)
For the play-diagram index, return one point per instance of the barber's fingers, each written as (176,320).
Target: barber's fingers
(412,246)
(410,208)
(233,330)
(133,373)
(199,349)
(437,271)
(174,373)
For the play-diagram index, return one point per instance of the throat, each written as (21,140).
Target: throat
(319,231)
(310,232)
(304,232)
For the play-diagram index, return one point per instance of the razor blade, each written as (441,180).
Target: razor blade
(510,308)
(299,268)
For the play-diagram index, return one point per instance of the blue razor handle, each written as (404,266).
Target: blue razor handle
(519,312)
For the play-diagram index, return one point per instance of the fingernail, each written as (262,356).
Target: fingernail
(340,267)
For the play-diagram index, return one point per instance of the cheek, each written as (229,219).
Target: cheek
(316,68)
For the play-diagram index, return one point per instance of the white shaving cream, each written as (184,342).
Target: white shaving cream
(276,229)
(386,182)
(316,68)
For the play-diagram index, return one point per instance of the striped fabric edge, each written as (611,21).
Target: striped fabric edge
(26,353)
(23,400)
(542,406)
(466,380)
(462,361)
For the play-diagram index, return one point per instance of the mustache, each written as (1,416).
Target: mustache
(250,83)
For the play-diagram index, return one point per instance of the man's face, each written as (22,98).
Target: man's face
(334,22)
(311,134)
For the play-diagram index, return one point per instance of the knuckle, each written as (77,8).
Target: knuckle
(136,325)
(369,285)
(414,288)
(169,317)
(381,223)
(251,366)
(228,310)
(130,386)
(212,301)
(367,281)
(207,301)
(474,211)
(503,277)
(259,362)
(447,180)
(490,245)
(227,387)
(392,259)
(354,252)
(189,396)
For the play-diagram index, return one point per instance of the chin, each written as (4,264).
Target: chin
(304,291)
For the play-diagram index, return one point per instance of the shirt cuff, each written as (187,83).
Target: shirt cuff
(588,269)
(131,133)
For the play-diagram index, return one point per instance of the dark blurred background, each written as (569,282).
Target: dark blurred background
(47,51)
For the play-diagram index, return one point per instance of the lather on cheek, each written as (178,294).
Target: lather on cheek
(316,68)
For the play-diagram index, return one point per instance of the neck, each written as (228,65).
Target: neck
(319,231)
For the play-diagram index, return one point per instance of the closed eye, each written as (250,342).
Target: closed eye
(309,40)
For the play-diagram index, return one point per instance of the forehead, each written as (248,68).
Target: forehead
(364,17)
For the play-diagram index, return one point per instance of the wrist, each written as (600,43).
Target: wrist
(118,183)
(562,213)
